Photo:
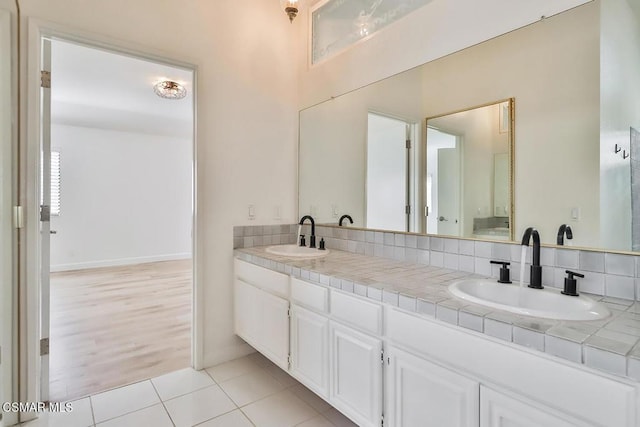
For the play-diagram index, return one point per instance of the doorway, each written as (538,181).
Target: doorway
(116,220)
(443,183)
(390,180)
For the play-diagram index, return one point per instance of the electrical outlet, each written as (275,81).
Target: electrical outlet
(334,210)
(277,212)
(252,212)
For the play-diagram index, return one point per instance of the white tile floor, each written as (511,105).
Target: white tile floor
(246,392)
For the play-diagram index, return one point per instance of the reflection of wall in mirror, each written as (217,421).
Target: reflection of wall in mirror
(333,138)
(501,185)
(620,109)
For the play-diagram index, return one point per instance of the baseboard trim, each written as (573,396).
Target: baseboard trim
(118,262)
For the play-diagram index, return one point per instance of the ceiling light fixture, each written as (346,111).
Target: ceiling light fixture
(169,90)
(290,8)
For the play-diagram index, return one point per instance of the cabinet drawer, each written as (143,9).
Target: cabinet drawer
(357,312)
(312,296)
(263,278)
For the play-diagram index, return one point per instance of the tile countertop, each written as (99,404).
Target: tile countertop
(611,345)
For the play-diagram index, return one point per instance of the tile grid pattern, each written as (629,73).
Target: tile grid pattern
(611,344)
(607,274)
(245,392)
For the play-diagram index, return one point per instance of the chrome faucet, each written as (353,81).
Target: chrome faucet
(535,281)
(343,217)
(564,229)
(312,238)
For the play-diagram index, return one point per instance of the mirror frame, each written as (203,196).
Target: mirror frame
(512,159)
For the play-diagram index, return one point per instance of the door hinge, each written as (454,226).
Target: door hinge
(382,420)
(45,79)
(45,213)
(44,346)
(18,217)
(289,361)
(382,356)
(426,211)
(408,144)
(289,312)
(407,209)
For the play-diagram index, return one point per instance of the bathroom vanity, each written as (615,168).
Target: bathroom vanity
(389,355)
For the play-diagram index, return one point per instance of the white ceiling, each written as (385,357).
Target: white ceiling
(96,88)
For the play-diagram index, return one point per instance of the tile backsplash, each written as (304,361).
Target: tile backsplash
(610,274)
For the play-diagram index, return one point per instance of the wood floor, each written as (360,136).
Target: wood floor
(118,325)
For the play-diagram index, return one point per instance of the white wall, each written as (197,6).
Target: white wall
(125,198)
(619,109)
(246,119)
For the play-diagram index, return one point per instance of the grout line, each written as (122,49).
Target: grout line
(237,407)
(136,410)
(93,415)
(162,403)
(183,394)
(218,416)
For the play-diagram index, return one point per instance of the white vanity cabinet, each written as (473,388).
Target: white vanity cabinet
(499,410)
(261,310)
(435,374)
(356,357)
(336,349)
(356,375)
(421,393)
(448,367)
(310,349)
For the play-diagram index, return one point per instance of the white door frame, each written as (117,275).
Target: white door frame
(8,234)
(30,308)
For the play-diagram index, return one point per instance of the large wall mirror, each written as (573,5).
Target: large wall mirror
(562,154)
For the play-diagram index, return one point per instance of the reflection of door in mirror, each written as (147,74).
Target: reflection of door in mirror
(388,173)
(443,196)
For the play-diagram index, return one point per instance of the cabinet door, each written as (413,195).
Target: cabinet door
(500,410)
(247,311)
(310,349)
(274,327)
(356,375)
(262,320)
(420,393)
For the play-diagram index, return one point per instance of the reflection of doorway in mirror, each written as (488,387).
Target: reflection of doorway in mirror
(443,166)
(389,169)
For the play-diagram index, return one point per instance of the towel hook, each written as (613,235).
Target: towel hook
(618,148)
(624,154)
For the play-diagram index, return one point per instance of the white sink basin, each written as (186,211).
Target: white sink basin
(297,251)
(547,303)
